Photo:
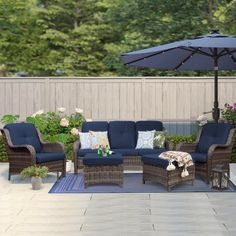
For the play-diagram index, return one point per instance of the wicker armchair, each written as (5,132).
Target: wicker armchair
(25,147)
(212,148)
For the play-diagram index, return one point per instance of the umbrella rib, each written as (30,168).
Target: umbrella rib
(231,55)
(189,56)
(145,57)
(227,52)
(191,49)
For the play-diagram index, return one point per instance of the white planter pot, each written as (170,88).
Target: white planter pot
(36,183)
(69,166)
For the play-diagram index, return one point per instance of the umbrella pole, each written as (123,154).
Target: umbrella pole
(216,110)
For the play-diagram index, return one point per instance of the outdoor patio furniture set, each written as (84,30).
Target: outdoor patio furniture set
(212,148)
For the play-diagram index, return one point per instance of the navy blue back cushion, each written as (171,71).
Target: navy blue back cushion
(122,134)
(213,133)
(24,134)
(148,125)
(95,126)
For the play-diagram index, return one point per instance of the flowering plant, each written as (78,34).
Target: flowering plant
(229,112)
(58,127)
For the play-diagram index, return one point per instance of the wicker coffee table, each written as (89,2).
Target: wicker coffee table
(103,170)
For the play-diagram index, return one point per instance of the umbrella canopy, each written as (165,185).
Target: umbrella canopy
(209,52)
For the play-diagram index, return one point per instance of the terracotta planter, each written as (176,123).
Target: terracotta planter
(36,183)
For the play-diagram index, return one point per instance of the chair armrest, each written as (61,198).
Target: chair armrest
(25,148)
(53,147)
(219,148)
(186,147)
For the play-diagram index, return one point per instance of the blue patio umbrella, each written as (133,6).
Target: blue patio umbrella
(214,51)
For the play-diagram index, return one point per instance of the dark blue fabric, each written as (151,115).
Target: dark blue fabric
(148,125)
(95,126)
(153,159)
(147,151)
(169,56)
(83,152)
(24,134)
(49,156)
(126,152)
(94,159)
(213,133)
(122,134)
(199,157)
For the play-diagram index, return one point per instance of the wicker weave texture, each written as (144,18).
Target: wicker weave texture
(167,178)
(103,175)
(218,155)
(24,156)
(129,163)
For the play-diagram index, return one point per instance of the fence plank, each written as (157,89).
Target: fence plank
(131,98)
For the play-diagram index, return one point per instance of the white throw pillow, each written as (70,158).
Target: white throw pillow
(145,139)
(85,140)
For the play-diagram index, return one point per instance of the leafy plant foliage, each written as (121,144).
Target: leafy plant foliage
(87,37)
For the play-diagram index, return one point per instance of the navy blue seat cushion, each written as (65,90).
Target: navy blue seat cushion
(49,156)
(24,134)
(122,134)
(153,159)
(95,126)
(199,157)
(213,133)
(126,152)
(148,125)
(83,152)
(94,159)
(147,151)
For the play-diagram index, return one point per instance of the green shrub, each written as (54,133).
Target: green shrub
(175,139)
(7,119)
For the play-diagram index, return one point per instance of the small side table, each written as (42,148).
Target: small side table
(219,178)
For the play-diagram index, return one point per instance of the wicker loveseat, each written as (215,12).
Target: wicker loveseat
(212,148)
(122,137)
(25,147)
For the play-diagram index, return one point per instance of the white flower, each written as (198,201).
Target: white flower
(202,120)
(89,120)
(74,131)
(79,110)
(61,109)
(40,112)
(64,122)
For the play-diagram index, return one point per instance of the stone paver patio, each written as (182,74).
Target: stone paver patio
(26,212)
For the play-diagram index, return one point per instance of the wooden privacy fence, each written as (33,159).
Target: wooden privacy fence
(171,99)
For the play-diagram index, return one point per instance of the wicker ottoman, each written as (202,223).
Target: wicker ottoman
(103,170)
(154,169)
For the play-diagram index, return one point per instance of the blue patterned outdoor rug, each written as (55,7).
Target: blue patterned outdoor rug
(74,183)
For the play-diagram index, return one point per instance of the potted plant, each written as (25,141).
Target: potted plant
(36,173)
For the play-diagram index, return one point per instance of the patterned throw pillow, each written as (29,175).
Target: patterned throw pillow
(145,139)
(85,140)
(99,138)
(159,139)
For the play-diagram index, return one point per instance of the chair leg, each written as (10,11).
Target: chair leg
(75,167)
(9,176)
(57,174)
